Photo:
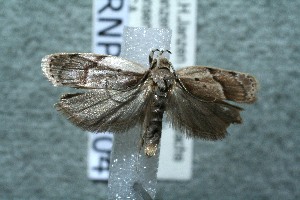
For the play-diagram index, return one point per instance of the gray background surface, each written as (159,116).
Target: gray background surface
(42,156)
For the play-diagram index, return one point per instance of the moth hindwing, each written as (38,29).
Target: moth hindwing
(121,94)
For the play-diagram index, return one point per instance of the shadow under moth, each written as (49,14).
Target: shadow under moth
(122,94)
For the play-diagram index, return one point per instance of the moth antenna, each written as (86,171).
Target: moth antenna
(163,51)
(151,55)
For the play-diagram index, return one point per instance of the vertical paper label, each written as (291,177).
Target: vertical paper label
(179,16)
(99,155)
(175,159)
(175,162)
(109,18)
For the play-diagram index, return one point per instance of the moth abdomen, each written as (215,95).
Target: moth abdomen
(152,134)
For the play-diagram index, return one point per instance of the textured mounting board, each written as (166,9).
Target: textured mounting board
(128,166)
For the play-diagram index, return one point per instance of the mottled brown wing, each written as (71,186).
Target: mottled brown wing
(198,118)
(103,110)
(217,84)
(88,70)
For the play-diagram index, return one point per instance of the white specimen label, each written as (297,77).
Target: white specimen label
(175,161)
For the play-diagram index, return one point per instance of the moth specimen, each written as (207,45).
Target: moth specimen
(122,94)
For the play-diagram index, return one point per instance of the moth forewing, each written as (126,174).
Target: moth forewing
(91,71)
(217,84)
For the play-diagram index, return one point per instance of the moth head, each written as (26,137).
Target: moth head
(157,59)
(163,63)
